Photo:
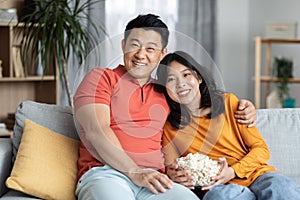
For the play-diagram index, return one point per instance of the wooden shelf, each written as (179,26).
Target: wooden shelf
(14,90)
(288,41)
(7,134)
(8,24)
(28,78)
(267,78)
(274,79)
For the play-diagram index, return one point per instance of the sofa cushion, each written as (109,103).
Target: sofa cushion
(16,195)
(281,131)
(5,162)
(46,164)
(54,117)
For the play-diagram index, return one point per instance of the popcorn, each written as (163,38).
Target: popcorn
(201,166)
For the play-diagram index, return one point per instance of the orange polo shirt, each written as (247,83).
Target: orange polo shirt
(137,116)
(244,148)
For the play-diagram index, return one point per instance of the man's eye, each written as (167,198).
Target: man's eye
(134,45)
(150,49)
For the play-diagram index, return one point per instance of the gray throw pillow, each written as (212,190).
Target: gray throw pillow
(54,117)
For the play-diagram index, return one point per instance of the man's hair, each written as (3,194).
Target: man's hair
(149,22)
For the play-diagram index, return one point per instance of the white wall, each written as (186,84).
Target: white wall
(239,22)
(232,45)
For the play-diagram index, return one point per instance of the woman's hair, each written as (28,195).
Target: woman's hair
(180,115)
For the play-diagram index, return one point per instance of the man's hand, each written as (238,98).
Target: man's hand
(155,181)
(246,113)
(180,176)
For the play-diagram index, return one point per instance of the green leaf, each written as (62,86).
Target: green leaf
(59,28)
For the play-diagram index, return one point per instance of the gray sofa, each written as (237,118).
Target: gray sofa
(279,127)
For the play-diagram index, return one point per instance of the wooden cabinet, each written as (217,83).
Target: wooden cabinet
(15,88)
(266,77)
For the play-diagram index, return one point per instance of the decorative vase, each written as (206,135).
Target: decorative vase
(273,100)
(289,102)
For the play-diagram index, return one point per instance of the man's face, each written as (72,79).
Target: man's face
(142,52)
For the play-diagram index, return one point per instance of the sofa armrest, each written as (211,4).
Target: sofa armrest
(5,162)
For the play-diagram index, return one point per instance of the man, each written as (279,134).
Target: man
(122,116)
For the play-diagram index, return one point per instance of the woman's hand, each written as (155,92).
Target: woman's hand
(246,113)
(180,176)
(226,174)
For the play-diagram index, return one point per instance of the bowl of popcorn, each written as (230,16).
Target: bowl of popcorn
(202,167)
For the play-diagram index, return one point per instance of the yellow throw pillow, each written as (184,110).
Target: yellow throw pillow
(46,164)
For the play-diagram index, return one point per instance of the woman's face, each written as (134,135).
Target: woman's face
(183,85)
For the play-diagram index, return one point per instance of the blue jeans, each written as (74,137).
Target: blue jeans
(268,186)
(273,185)
(229,192)
(106,183)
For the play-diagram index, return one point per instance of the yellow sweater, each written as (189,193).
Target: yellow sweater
(244,148)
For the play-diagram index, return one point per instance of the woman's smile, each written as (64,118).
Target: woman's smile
(183,85)
(183,93)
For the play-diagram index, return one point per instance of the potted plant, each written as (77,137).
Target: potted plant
(56,31)
(283,69)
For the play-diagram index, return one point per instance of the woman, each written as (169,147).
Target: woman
(202,120)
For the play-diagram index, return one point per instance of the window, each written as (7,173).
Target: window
(119,13)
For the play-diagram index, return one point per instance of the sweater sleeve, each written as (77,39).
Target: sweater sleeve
(257,151)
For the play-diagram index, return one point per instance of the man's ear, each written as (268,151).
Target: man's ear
(163,53)
(123,45)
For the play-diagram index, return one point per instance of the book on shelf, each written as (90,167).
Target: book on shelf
(17,62)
